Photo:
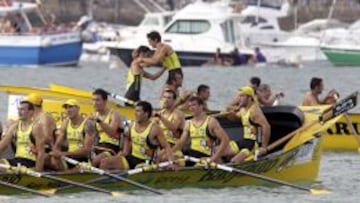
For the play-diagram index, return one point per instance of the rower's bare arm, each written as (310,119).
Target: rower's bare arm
(60,135)
(153,76)
(48,126)
(84,151)
(127,142)
(40,141)
(158,56)
(112,128)
(158,133)
(8,137)
(259,118)
(180,142)
(221,135)
(176,123)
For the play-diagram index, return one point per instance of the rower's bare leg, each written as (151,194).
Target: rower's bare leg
(240,157)
(112,163)
(97,159)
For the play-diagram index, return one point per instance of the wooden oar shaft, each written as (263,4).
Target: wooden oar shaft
(22,188)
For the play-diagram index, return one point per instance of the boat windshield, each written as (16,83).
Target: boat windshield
(151,21)
(251,19)
(227,28)
(189,27)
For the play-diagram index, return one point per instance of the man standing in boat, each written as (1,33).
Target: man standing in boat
(136,72)
(253,120)
(108,126)
(27,139)
(312,97)
(170,119)
(204,132)
(164,54)
(142,140)
(78,132)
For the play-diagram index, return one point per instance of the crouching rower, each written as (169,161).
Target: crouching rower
(27,139)
(204,131)
(141,141)
(78,132)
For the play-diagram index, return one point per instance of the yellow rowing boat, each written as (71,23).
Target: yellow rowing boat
(339,136)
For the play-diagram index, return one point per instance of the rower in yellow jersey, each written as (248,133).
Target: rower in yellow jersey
(108,126)
(204,131)
(164,55)
(78,132)
(171,121)
(136,72)
(28,140)
(253,120)
(142,140)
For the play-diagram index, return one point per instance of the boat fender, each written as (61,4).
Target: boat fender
(46,42)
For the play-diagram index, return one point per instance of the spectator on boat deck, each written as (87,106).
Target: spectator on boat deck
(254,124)
(141,142)
(27,137)
(316,88)
(20,24)
(217,58)
(79,134)
(108,126)
(207,138)
(259,57)
(238,58)
(265,96)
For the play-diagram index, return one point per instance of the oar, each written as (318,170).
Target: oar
(129,172)
(114,176)
(353,130)
(22,188)
(257,176)
(338,108)
(54,178)
(121,98)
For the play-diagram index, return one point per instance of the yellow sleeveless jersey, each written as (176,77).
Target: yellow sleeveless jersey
(249,129)
(171,62)
(200,140)
(75,136)
(131,79)
(24,145)
(139,146)
(169,135)
(103,137)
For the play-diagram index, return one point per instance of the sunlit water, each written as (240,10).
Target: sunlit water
(339,171)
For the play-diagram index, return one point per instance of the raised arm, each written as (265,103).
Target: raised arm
(158,56)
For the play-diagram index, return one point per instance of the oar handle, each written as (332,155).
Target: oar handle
(84,165)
